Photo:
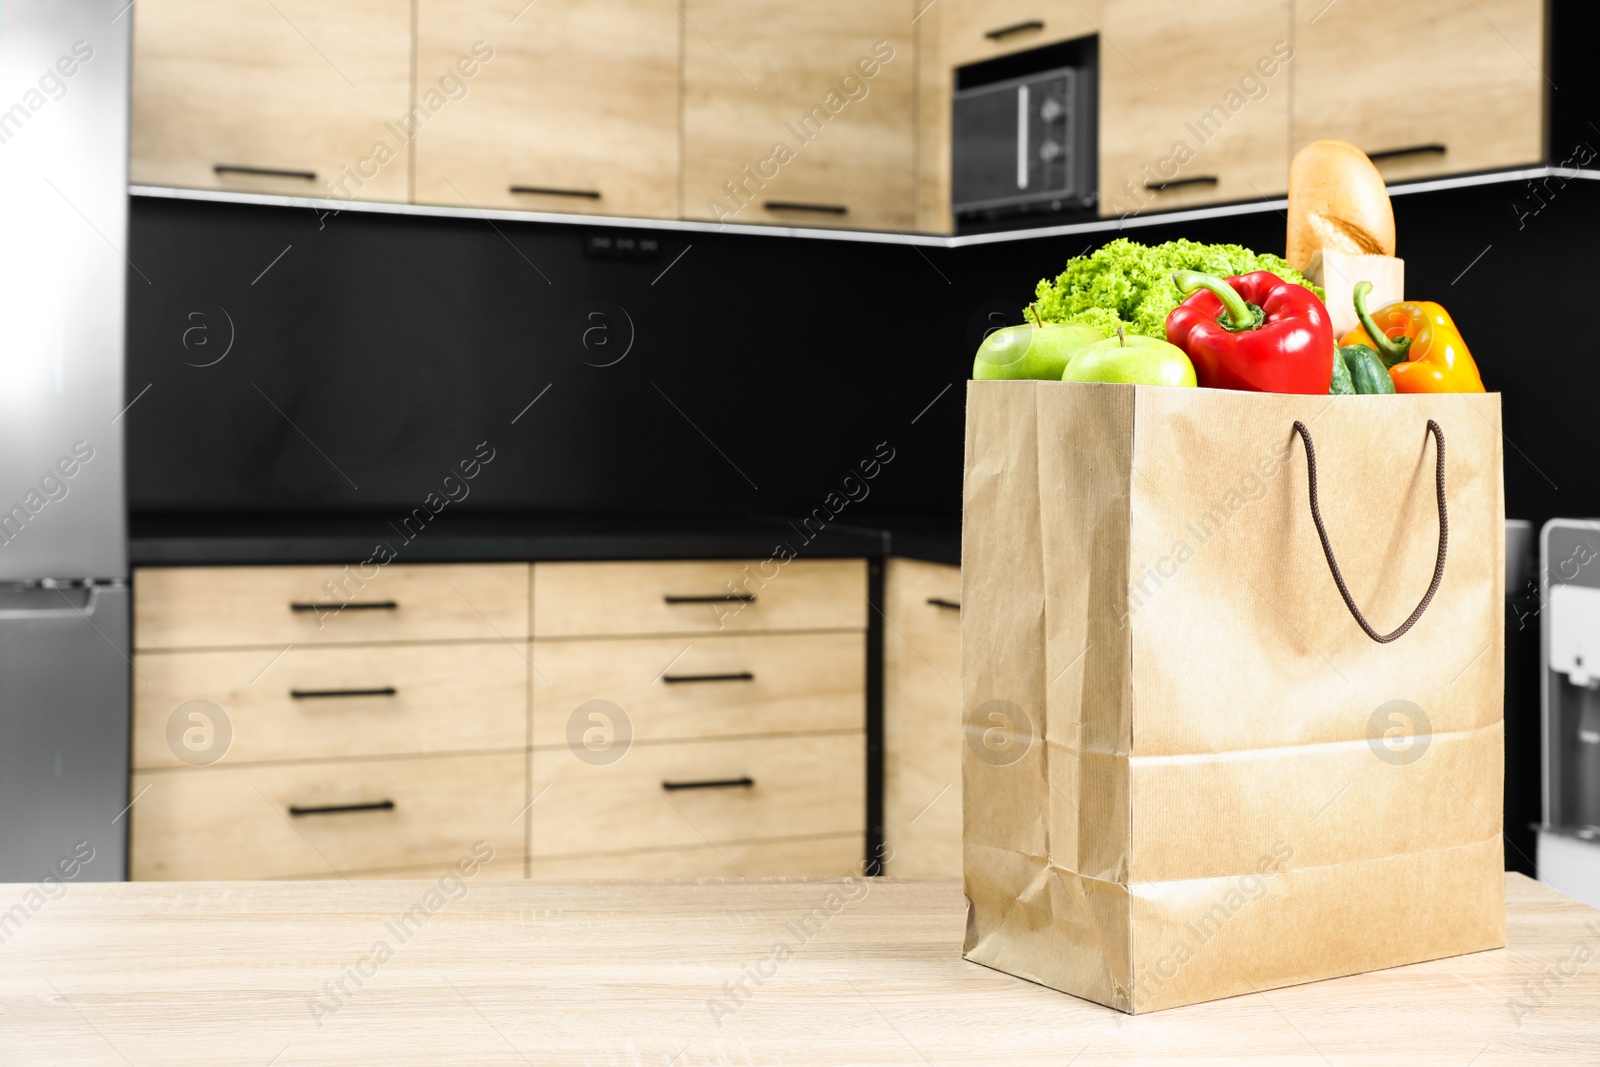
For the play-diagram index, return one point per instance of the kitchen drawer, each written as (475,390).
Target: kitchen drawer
(975,30)
(601,599)
(677,688)
(235,822)
(800,786)
(811,857)
(217,607)
(333,703)
(922,719)
(1471,97)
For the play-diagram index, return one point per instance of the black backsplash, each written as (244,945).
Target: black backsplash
(379,350)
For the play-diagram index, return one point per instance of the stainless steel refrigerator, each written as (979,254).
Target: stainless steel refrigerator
(64,596)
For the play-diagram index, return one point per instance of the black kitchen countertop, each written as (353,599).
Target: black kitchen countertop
(195,540)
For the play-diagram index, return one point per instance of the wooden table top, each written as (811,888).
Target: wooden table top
(685,974)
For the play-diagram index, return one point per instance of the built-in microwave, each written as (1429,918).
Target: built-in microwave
(1025,145)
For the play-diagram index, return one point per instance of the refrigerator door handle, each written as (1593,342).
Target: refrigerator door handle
(50,602)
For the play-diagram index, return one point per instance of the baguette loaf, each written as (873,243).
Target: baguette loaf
(1337,202)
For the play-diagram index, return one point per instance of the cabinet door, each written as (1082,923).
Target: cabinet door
(1194,102)
(975,30)
(800,114)
(272,96)
(574,110)
(1447,86)
(922,720)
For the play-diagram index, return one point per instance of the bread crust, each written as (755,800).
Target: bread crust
(1337,201)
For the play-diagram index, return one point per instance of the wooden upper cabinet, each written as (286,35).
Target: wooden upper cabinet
(800,114)
(272,96)
(1449,86)
(975,30)
(576,110)
(1194,102)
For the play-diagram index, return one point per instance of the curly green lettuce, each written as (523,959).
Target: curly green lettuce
(1128,284)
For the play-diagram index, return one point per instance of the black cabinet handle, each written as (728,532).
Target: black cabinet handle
(265,172)
(941,602)
(339,809)
(539,190)
(317,694)
(351,605)
(1414,150)
(796,205)
(712,783)
(741,598)
(1178,183)
(1021,27)
(676,679)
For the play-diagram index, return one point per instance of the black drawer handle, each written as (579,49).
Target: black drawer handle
(675,679)
(265,172)
(796,205)
(941,602)
(1414,150)
(1178,183)
(712,783)
(741,598)
(351,605)
(539,190)
(318,694)
(1021,27)
(339,809)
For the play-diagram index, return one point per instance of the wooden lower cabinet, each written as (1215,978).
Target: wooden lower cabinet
(323,819)
(922,720)
(451,713)
(687,794)
(329,703)
(676,689)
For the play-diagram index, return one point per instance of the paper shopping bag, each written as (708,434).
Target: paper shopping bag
(1205,754)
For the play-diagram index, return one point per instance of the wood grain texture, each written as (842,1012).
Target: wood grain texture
(500,869)
(1473,83)
(922,720)
(233,822)
(218,607)
(448,698)
(601,599)
(935,86)
(1169,77)
(584,973)
(802,682)
(580,95)
(967,23)
(300,85)
(752,73)
(805,857)
(803,785)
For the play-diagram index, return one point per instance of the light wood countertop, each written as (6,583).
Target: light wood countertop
(635,973)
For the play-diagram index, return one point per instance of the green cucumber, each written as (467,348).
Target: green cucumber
(1367,373)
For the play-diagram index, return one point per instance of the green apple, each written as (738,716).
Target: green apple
(1137,360)
(1032,351)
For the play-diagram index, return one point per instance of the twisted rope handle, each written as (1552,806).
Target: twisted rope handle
(1333,564)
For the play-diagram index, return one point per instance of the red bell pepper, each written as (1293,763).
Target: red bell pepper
(1255,331)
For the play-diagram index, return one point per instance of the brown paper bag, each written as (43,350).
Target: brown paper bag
(1188,771)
